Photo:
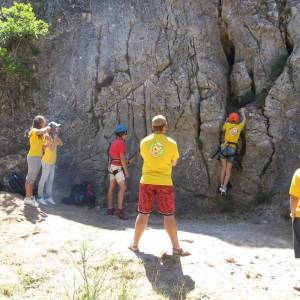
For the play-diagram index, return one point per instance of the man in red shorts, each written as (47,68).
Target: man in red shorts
(160,154)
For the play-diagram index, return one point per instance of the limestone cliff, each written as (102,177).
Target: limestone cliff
(114,61)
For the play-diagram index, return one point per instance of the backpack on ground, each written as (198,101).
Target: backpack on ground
(81,194)
(17,183)
(1,185)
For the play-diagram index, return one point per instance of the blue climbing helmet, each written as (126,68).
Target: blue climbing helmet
(120,128)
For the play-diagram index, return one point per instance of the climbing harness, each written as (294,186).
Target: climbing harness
(114,172)
(223,151)
(111,160)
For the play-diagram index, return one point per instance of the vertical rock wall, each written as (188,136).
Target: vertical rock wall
(106,62)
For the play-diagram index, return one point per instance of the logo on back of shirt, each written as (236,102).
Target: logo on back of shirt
(233,131)
(157,149)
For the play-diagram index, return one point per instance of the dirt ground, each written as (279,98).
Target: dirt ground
(56,252)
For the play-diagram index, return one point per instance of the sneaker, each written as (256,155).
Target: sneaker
(50,200)
(223,193)
(223,190)
(41,200)
(121,213)
(220,189)
(31,202)
(110,211)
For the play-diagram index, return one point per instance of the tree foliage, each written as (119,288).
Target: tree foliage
(19,27)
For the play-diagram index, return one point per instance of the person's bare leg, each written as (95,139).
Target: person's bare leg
(223,171)
(28,189)
(110,193)
(171,228)
(122,189)
(140,226)
(228,173)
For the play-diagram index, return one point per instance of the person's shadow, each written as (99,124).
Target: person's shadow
(34,215)
(166,276)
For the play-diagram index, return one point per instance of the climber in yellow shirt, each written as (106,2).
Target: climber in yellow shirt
(232,130)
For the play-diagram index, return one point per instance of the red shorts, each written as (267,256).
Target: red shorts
(164,195)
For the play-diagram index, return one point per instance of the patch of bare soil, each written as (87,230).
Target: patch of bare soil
(68,252)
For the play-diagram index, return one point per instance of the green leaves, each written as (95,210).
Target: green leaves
(20,22)
(19,27)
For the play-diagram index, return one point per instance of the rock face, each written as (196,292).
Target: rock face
(114,61)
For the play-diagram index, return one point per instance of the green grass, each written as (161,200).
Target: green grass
(111,278)
(30,282)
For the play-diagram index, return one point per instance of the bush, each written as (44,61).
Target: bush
(13,65)
(19,22)
(19,27)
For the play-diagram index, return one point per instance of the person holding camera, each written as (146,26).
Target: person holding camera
(51,141)
(35,135)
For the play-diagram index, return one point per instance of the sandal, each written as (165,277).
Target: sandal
(297,287)
(180,252)
(133,248)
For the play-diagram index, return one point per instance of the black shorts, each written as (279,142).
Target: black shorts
(296,237)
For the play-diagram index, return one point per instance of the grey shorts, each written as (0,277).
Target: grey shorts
(34,165)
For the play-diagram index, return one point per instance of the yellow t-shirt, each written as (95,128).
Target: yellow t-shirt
(232,132)
(49,156)
(36,143)
(295,190)
(158,151)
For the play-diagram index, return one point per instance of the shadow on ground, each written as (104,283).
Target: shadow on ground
(12,208)
(166,276)
(34,215)
(236,232)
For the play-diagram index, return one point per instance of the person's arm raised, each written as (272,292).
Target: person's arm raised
(243,114)
(42,131)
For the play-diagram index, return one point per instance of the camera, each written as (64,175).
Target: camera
(54,125)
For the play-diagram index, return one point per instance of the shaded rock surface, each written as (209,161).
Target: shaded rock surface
(106,62)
